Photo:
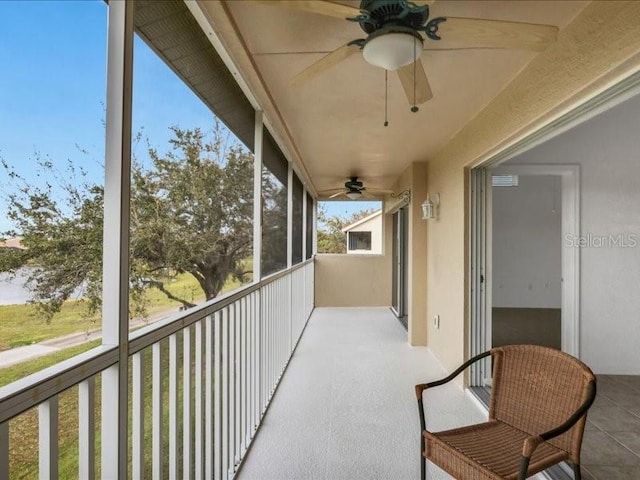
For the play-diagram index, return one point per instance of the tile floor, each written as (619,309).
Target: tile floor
(611,446)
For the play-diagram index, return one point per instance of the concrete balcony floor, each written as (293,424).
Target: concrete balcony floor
(346,409)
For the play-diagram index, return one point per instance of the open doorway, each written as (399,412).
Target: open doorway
(526,304)
(600,140)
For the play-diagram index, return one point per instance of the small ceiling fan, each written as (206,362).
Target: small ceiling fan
(395,40)
(354,189)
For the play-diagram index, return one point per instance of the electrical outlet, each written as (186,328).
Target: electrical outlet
(436,321)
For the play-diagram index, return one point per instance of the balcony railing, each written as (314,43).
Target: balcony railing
(214,370)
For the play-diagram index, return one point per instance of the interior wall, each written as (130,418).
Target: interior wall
(354,280)
(606,148)
(527,243)
(598,49)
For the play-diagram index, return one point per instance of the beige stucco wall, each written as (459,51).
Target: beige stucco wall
(355,280)
(599,48)
(414,178)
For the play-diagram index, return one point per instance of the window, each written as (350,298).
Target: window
(192,168)
(274,207)
(298,227)
(52,149)
(359,240)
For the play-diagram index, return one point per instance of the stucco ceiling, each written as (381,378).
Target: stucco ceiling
(336,119)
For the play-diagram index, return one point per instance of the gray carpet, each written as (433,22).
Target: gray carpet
(536,326)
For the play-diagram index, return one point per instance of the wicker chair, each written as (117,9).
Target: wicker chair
(537,412)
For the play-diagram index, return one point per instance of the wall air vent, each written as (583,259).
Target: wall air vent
(504,180)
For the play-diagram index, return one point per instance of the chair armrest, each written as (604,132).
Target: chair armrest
(420,388)
(423,386)
(532,442)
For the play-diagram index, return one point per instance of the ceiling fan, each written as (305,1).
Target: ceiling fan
(395,40)
(354,189)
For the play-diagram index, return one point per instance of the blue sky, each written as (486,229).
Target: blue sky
(53,90)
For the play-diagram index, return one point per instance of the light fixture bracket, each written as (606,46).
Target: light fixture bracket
(431,28)
(376,14)
(404,195)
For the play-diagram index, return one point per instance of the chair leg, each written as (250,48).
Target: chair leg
(423,461)
(524,467)
(577,473)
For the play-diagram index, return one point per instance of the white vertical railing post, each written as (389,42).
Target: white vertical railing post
(156,431)
(115,265)
(48,439)
(86,429)
(233,333)
(246,362)
(198,414)
(208,397)
(173,407)
(238,381)
(225,321)
(186,404)
(217,402)
(137,417)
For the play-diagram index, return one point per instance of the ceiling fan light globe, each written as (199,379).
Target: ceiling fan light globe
(392,50)
(353,195)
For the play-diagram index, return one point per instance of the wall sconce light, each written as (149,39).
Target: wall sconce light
(430,205)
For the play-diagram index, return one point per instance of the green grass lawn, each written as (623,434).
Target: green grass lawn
(23,430)
(20,324)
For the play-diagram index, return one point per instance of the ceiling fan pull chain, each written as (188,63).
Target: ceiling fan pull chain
(414,109)
(386,97)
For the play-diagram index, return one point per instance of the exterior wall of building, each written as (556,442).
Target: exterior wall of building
(355,280)
(373,225)
(598,49)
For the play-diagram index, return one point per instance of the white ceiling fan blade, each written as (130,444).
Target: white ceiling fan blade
(337,194)
(320,7)
(379,190)
(325,63)
(422,91)
(366,194)
(330,190)
(496,33)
